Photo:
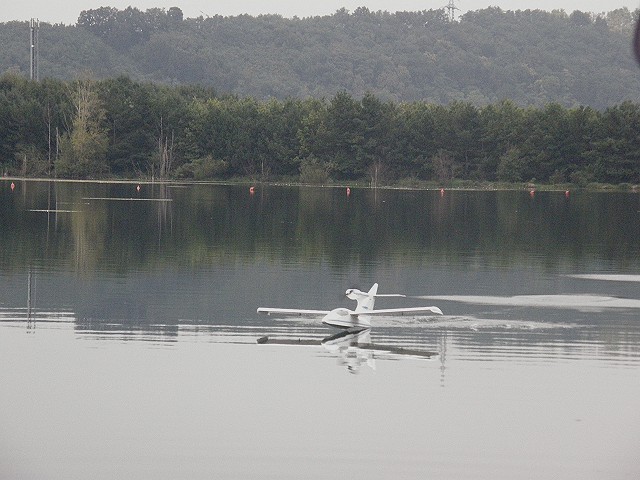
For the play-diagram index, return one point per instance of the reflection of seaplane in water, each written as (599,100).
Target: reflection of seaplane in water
(361,316)
(352,349)
(353,346)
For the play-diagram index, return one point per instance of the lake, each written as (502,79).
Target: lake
(128,333)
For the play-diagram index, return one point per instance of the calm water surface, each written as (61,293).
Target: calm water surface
(128,331)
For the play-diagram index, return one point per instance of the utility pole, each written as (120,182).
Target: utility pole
(34,28)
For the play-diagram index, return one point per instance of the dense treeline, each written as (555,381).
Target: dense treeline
(118,127)
(531,57)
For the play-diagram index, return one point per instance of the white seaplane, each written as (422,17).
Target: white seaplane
(360,318)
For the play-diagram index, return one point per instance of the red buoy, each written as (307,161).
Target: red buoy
(348,191)
(442,192)
(13,186)
(252,190)
(566,193)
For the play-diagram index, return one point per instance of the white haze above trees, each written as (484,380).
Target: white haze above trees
(67,12)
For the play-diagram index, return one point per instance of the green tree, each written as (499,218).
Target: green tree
(315,172)
(169,116)
(130,123)
(620,20)
(461,138)
(13,108)
(83,149)
(617,156)
(443,166)
(502,128)
(414,140)
(511,166)
(30,115)
(344,136)
(544,146)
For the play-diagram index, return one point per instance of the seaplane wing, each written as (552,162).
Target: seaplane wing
(402,311)
(293,311)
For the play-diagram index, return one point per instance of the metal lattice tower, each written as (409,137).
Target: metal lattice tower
(451,8)
(34,27)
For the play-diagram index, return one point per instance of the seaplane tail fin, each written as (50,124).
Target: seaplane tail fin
(366,302)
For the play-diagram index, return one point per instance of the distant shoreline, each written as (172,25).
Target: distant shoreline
(401,185)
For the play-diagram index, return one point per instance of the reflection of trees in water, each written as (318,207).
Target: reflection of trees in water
(320,233)
(209,224)
(161,191)
(89,230)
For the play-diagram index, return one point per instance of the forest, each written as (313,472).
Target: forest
(530,57)
(122,128)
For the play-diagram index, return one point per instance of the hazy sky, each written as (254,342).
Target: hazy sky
(67,11)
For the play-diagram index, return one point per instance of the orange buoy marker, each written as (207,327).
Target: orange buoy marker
(252,190)
(13,186)
(348,192)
